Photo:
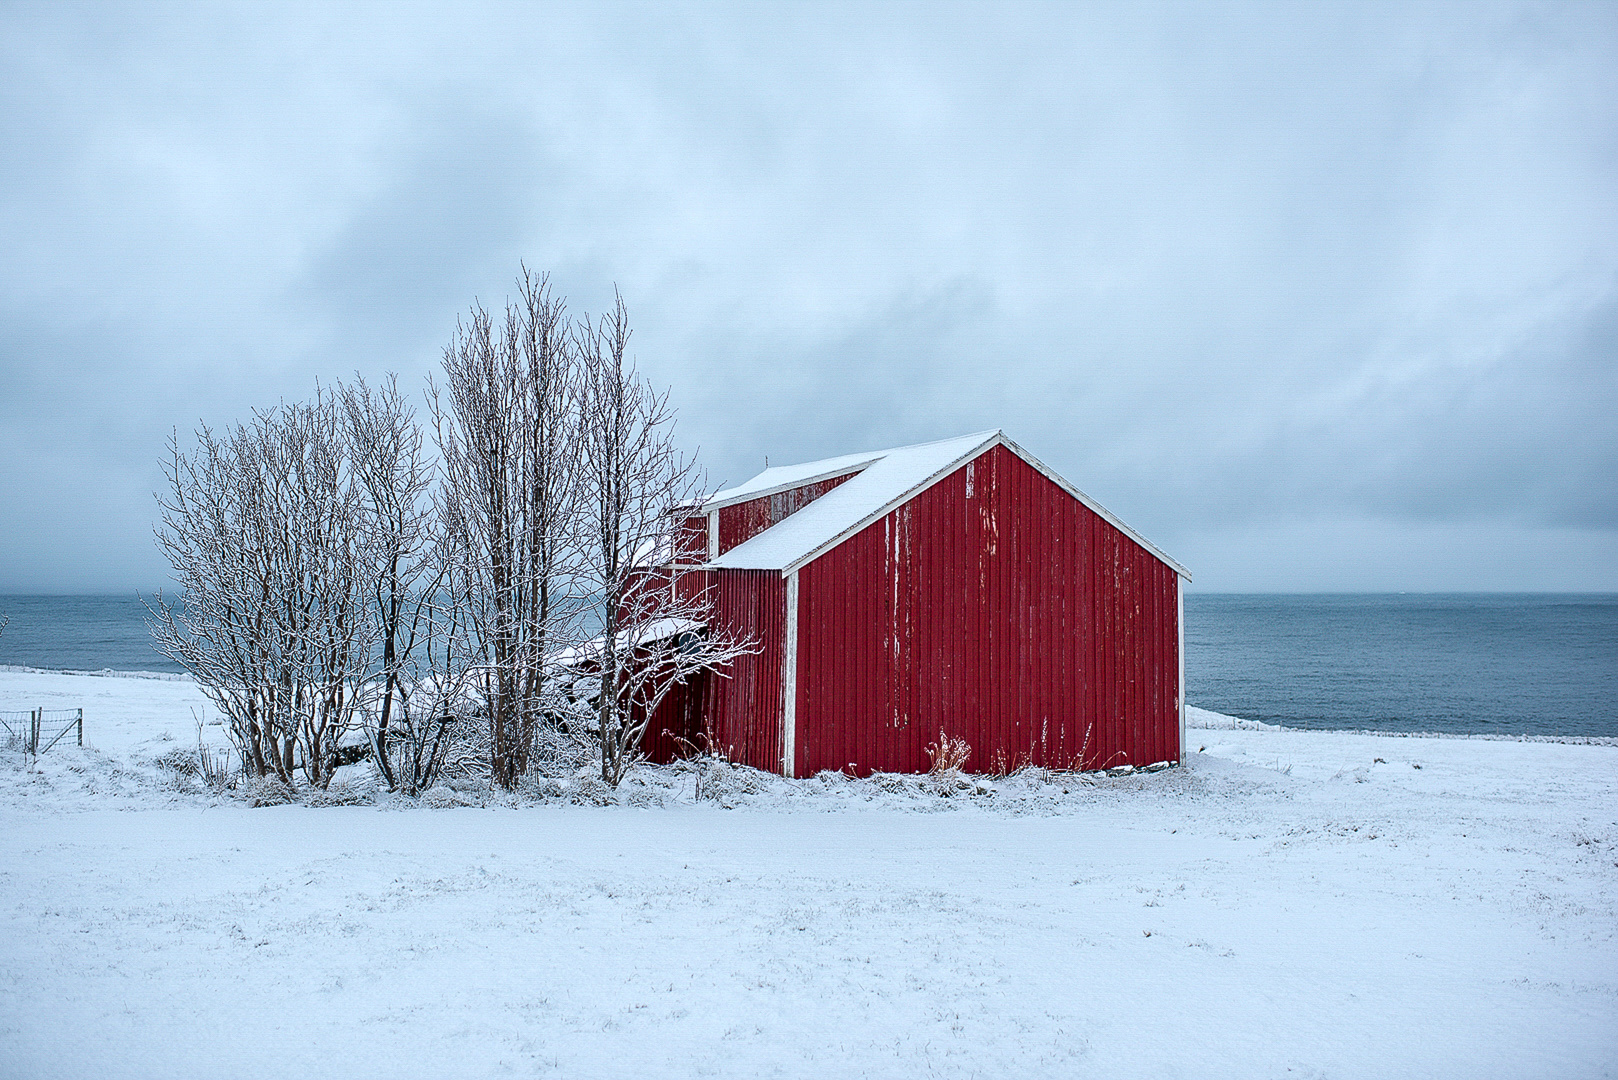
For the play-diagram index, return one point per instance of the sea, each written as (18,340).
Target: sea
(1464,663)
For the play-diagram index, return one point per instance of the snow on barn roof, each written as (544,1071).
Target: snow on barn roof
(643,634)
(785,477)
(887,478)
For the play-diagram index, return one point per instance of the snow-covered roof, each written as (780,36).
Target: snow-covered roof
(785,477)
(644,634)
(887,478)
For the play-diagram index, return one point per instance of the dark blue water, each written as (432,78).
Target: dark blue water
(79,633)
(1507,664)
(1494,663)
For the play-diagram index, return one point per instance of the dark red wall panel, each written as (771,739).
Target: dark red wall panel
(675,728)
(744,700)
(737,709)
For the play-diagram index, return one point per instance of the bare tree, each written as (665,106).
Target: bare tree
(404,569)
(507,435)
(654,607)
(264,530)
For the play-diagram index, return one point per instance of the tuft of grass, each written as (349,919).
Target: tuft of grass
(949,756)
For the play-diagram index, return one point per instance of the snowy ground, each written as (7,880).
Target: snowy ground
(1286,906)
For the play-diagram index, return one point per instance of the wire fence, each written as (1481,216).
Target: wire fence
(37,730)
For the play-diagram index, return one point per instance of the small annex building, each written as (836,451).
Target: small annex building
(958,586)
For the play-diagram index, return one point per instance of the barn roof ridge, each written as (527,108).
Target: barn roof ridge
(887,479)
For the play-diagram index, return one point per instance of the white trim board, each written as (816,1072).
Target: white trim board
(1179,595)
(789,681)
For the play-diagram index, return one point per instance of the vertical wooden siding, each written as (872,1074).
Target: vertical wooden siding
(676,727)
(996,608)
(744,701)
(736,710)
(746,520)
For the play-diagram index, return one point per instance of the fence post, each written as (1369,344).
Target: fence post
(81,727)
(33,734)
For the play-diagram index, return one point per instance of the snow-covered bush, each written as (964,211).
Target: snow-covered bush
(721,780)
(178,760)
(266,791)
(564,741)
(444,797)
(340,793)
(263,528)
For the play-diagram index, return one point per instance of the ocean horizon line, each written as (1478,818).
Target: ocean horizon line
(1191,590)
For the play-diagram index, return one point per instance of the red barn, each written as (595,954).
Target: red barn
(958,587)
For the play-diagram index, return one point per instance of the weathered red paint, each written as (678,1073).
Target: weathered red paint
(993,606)
(691,539)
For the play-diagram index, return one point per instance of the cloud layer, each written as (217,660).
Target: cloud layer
(1317,297)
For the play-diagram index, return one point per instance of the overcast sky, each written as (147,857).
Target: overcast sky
(1315,296)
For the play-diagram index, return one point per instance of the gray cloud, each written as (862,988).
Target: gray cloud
(1316,296)
(459,193)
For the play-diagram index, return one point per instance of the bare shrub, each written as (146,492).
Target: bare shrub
(216,768)
(434,748)
(263,528)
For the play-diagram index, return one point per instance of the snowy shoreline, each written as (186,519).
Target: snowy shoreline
(1291,903)
(101,673)
(1207,720)
(1199,718)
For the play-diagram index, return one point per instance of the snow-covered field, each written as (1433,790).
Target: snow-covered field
(1289,905)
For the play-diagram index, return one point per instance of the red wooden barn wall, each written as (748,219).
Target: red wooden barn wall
(745,520)
(674,729)
(1010,615)
(736,711)
(745,714)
